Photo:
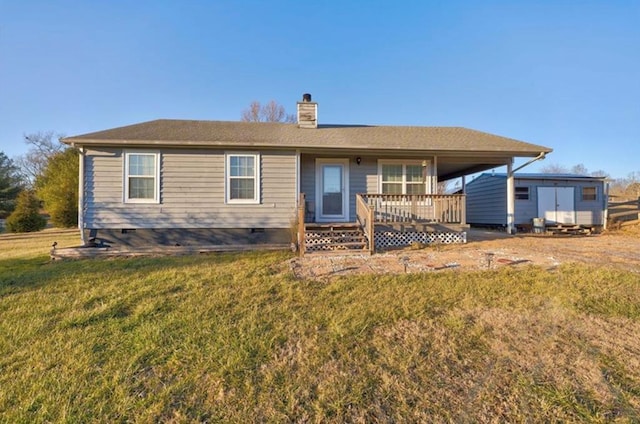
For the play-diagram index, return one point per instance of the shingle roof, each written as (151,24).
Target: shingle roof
(169,132)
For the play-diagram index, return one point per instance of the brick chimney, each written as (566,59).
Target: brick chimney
(307,112)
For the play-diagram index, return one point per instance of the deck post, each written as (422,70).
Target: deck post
(511,203)
(463,210)
(414,209)
(371,229)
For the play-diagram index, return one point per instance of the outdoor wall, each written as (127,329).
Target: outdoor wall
(363,177)
(590,212)
(487,197)
(192,184)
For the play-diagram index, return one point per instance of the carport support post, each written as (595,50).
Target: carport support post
(511,203)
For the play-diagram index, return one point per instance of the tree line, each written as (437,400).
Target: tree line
(45,179)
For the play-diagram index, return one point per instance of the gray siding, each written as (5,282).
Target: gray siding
(487,197)
(590,212)
(487,200)
(191,192)
(308,177)
(359,175)
(363,178)
(360,178)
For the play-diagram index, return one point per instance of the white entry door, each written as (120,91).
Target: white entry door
(557,205)
(332,190)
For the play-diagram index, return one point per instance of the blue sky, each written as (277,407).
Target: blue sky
(564,74)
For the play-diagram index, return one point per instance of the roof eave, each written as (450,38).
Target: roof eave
(306,146)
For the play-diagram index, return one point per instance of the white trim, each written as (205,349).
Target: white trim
(344,162)
(156,176)
(81,153)
(434,175)
(428,177)
(256,178)
(511,199)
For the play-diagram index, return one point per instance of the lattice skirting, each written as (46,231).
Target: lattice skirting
(397,239)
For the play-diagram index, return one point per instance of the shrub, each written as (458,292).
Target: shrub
(26,217)
(58,188)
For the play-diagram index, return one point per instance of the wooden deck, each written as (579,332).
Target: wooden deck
(388,221)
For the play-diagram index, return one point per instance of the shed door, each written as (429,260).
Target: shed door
(557,205)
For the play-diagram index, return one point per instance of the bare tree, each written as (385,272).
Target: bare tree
(42,146)
(554,168)
(579,169)
(600,173)
(632,185)
(270,112)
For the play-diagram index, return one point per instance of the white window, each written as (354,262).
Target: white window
(141,177)
(242,178)
(403,177)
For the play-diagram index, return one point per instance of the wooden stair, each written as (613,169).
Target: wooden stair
(567,230)
(335,238)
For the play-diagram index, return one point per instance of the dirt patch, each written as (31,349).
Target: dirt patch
(484,250)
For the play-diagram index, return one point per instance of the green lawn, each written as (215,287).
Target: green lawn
(235,338)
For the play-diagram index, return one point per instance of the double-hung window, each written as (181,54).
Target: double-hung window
(141,177)
(242,178)
(402,177)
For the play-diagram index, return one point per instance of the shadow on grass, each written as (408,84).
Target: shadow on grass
(19,274)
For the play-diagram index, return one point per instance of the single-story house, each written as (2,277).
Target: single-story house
(558,198)
(184,182)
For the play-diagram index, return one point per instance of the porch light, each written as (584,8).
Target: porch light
(358,160)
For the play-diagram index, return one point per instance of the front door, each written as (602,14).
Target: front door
(332,190)
(556,205)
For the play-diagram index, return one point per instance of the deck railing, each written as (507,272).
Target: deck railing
(365,217)
(437,208)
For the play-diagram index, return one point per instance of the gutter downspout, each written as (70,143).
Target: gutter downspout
(511,197)
(541,156)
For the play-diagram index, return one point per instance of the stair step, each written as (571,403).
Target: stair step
(346,244)
(335,236)
(338,252)
(325,232)
(331,227)
(567,230)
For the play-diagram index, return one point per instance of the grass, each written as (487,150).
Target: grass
(235,338)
